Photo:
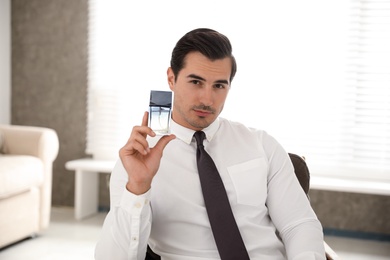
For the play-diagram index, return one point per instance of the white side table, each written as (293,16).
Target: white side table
(87,184)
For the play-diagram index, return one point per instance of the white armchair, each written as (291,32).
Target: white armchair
(26,160)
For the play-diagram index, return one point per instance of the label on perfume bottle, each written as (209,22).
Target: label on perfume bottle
(160,106)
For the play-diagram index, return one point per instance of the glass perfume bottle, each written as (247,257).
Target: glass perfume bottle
(160,106)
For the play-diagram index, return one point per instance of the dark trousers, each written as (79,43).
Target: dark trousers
(150,255)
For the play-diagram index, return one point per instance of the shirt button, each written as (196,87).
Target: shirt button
(134,238)
(138,205)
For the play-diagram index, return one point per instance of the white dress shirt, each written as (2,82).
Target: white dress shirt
(271,209)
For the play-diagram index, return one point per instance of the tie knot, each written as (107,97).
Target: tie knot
(199,137)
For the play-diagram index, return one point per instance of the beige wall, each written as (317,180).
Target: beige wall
(49,80)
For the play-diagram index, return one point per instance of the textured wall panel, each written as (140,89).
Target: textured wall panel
(49,77)
(352,211)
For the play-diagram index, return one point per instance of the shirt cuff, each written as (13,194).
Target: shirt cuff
(132,203)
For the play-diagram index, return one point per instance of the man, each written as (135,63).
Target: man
(156,194)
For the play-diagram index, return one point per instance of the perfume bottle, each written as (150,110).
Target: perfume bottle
(160,106)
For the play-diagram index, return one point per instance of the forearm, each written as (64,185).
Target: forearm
(304,241)
(126,229)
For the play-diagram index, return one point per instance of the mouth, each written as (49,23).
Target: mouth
(202,113)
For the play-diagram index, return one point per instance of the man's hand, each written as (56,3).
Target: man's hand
(140,161)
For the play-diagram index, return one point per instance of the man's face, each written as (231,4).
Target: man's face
(200,90)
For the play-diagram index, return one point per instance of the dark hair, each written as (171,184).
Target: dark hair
(210,43)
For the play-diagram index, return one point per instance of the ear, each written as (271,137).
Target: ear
(171,78)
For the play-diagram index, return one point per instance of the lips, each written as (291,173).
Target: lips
(202,113)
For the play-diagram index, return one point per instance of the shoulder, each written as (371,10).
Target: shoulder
(245,132)
(235,126)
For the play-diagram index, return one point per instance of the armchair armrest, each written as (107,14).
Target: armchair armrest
(30,140)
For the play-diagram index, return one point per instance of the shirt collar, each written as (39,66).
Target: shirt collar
(186,134)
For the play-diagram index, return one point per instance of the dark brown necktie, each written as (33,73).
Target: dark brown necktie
(226,234)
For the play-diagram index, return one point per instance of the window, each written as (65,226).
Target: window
(314,74)
(365,142)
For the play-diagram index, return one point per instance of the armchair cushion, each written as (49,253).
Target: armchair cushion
(19,173)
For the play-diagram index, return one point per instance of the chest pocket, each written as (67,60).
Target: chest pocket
(250,181)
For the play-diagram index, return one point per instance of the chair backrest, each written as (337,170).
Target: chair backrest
(301,171)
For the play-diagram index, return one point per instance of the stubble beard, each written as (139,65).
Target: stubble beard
(195,122)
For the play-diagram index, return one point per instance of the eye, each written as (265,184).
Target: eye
(195,82)
(219,86)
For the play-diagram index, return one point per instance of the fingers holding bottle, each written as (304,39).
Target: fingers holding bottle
(140,161)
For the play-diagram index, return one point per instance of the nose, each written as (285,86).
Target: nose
(207,96)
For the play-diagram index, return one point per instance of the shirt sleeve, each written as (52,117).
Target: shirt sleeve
(126,228)
(289,207)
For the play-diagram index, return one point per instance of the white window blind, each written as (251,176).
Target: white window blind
(314,74)
(365,143)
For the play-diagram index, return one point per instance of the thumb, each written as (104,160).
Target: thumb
(160,146)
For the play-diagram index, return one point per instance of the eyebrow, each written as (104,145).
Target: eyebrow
(220,81)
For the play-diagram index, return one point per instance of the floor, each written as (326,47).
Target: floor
(68,238)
